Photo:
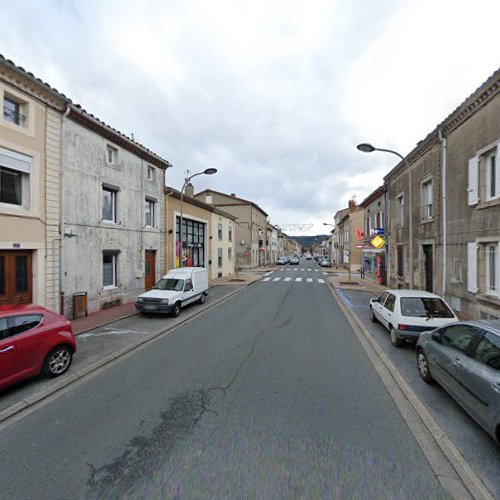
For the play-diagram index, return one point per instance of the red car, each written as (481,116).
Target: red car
(33,340)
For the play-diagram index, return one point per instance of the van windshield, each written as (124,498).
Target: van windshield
(170,284)
(425,307)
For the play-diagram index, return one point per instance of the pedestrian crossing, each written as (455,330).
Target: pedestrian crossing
(294,269)
(297,280)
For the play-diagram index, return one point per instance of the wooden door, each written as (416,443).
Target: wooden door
(150,274)
(16,278)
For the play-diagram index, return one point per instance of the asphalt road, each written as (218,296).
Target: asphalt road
(475,445)
(267,395)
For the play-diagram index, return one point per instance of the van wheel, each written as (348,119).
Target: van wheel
(57,361)
(202,299)
(177,310)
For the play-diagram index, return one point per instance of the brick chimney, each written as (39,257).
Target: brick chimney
(189,191)
(352,206)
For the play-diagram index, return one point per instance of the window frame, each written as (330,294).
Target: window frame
(491,160)
(472,343)
(488,275)
(114,204)
(114,153)
(219,257)
(114,263)
(400,210)
(485,334)
(427,198)
(150,170)
(150,202)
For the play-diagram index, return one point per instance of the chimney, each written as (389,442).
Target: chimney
(189,191)
(233,195)
(352,205)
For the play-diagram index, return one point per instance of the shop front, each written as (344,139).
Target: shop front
(374,263)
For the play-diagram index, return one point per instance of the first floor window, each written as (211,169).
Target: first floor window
(219,232)
(400,260)
(219,257)
(427,211)
(230,236)
(150,213)
(11,186)
(492,267)
(108,204)
(492,187)
(109,261)
(229,253)
(457,270)
(400,211)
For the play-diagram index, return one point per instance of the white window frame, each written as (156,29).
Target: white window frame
(114,262)
(150,173)
(149,203)
(492,275)
(427,199)
(114,198)
(492,178)
(400,210)
(114,155)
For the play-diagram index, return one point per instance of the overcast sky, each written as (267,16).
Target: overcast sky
(275,94)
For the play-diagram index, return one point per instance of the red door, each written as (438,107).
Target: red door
(150,271)
(15,277)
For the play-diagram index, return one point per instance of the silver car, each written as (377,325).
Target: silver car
(464,358)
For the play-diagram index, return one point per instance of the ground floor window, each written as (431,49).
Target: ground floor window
(109,269)
(492,268)
(192,253)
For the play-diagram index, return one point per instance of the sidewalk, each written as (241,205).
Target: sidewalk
(357,283)
(105,316)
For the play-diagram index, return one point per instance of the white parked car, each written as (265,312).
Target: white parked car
(408,313)
(178,288)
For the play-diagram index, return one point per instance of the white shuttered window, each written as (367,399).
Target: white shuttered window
(473,188)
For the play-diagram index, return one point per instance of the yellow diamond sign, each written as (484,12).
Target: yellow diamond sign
(378,242)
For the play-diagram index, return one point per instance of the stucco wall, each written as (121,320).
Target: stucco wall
(84,171)
(228,264)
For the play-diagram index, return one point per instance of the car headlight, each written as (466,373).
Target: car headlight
(164,301)
(140,299)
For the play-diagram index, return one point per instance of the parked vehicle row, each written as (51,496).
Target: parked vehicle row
(462,356)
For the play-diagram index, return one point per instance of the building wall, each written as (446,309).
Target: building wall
(355,254)
(479,223)
(226,245)
(190,212)
(34,227)
(87,235)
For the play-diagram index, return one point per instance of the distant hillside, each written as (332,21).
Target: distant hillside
(309,241)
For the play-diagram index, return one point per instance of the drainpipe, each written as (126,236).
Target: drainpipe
(444,147)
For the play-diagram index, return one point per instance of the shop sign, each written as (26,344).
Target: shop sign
(378,242)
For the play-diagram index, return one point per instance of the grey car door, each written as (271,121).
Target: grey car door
(449,354)
(482,376)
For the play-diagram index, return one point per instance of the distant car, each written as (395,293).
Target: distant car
(308,256)
(465,359)
(324,263)
(294,261)
(408,313)
(281,261)
(33,340)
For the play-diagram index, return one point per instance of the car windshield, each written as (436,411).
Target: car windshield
(170,284)
(425,307)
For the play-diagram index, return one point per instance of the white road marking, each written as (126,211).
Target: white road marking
(298,279)
(309,280)
(302,269)
(276,279)
(321,280)
(266,279)
(110,331)
(309,269)
(288,279)
(326,274)
(317,270)
(270,272)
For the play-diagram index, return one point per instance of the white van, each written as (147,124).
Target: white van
(178,288)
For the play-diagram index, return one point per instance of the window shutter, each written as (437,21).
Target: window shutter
(473,181)
(472,266)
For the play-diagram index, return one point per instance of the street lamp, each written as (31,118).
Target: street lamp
(368,148)
(207,171)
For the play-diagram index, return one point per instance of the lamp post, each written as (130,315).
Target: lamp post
(207,171)
(368,148)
